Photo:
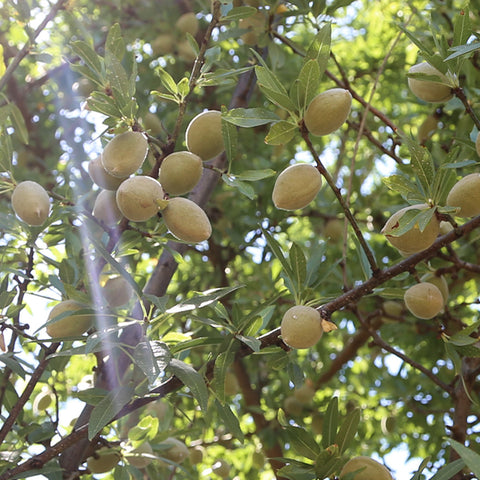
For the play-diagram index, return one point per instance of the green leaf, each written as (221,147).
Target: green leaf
(104,412)
(298,264)
(277,251)
(471,458)
(249,117)
(462,28)
(202,299)
(18,123)
(165,96)
(101,103)
(229,420)
(328,461)
(90,57)
(281,133)
(308,83)
(191,379)
(302,442)
(330,423)
(412,217)
(400,184)
(114,44)
(152,357)
(447,472)
(273,88)
(222,364)
(254,175)
(245,188)
(166,79)
(319,49)
(364,263)
(238,13)
(278,98)
(145,430)
(348,430)
(422,164)
(297,471)
(230,139)
(461,50)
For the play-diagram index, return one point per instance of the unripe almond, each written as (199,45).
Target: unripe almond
(106,209)
(106,459)
(413,240)
(221,468)
(328,111)
(101,177)
(334,230)
(141,456)
(305,393)
(369,469)
(196,454)
(42,401)
(204,135)
(177,451)
(440,282)
(465,195)
(188,23)
(163,44)
(117,291)
(255,25)
(70,324)
(445,227)
(180,172)
(30,201)
(186,220)
(124,154)
(153,124)
(429,90)
(392,309)
(301,326)
(138,197)
(296,186)
(424,300)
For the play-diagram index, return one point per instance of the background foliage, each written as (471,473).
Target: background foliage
(156,367)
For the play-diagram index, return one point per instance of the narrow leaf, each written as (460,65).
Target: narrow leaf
(348,430)
(330,423)
(107,408)
(281,133)
(308,82)
(229,420)
(471,458)
(421,163)
(277,251)
(447,472)
(319,49)
(230,139)
(114,44)
(191,379)
(249,117)
(89,56)
(298,264)
(167,80)
(302,442)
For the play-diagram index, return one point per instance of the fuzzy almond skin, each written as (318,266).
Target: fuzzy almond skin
(31,203)
(177,452)
(204,135)
(71,325)
(137,198)
(117,291)
(414,240)
(429,90)
(106,209)
(124,154)
(180,172)
(328,111)
(296,186)
(465,194)
(186,220)
(440,282)
(106,460)
(424,300)
(101,177)
(372,470)
(301,327)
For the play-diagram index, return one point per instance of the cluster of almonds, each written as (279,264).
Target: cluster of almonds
(427,298)
(140,197)
(299,184)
